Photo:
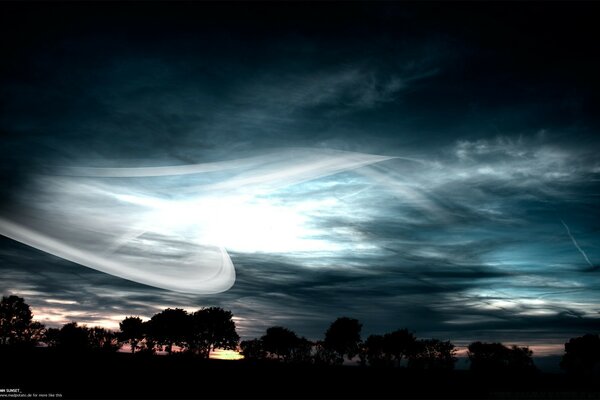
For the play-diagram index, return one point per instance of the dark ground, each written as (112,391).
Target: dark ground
(43,372)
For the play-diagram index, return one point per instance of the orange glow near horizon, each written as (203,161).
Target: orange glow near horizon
(221,354)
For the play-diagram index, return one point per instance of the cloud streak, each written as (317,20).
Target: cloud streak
(576,244)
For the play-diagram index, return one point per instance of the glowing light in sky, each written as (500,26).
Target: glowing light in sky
(238,223)
(171,227)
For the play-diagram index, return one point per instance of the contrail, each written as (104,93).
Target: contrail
(576,244)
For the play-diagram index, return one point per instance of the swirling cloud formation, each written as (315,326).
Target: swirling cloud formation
(170,227)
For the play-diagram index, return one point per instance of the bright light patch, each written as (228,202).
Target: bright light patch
(238,223)
(221,354)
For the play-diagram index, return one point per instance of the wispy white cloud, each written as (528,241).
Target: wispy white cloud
(116,227)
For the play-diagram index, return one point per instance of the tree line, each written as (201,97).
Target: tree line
(200,332)
(196,333)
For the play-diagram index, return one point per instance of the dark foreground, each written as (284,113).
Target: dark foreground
(42,373)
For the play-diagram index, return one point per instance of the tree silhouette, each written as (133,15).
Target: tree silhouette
(51,337)
(432,354)
(520,359)
(495,357)
(582,354)
(34,333)
(302,351)
(212,328)
(16,325)
(374,352)
(253,349)
(398,344)
(280,342)
(343,338)
(100,339)
(170,327)
(132,332)
(148,345)
(324,355)
(73,338)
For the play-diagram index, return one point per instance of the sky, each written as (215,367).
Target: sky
(421,165)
